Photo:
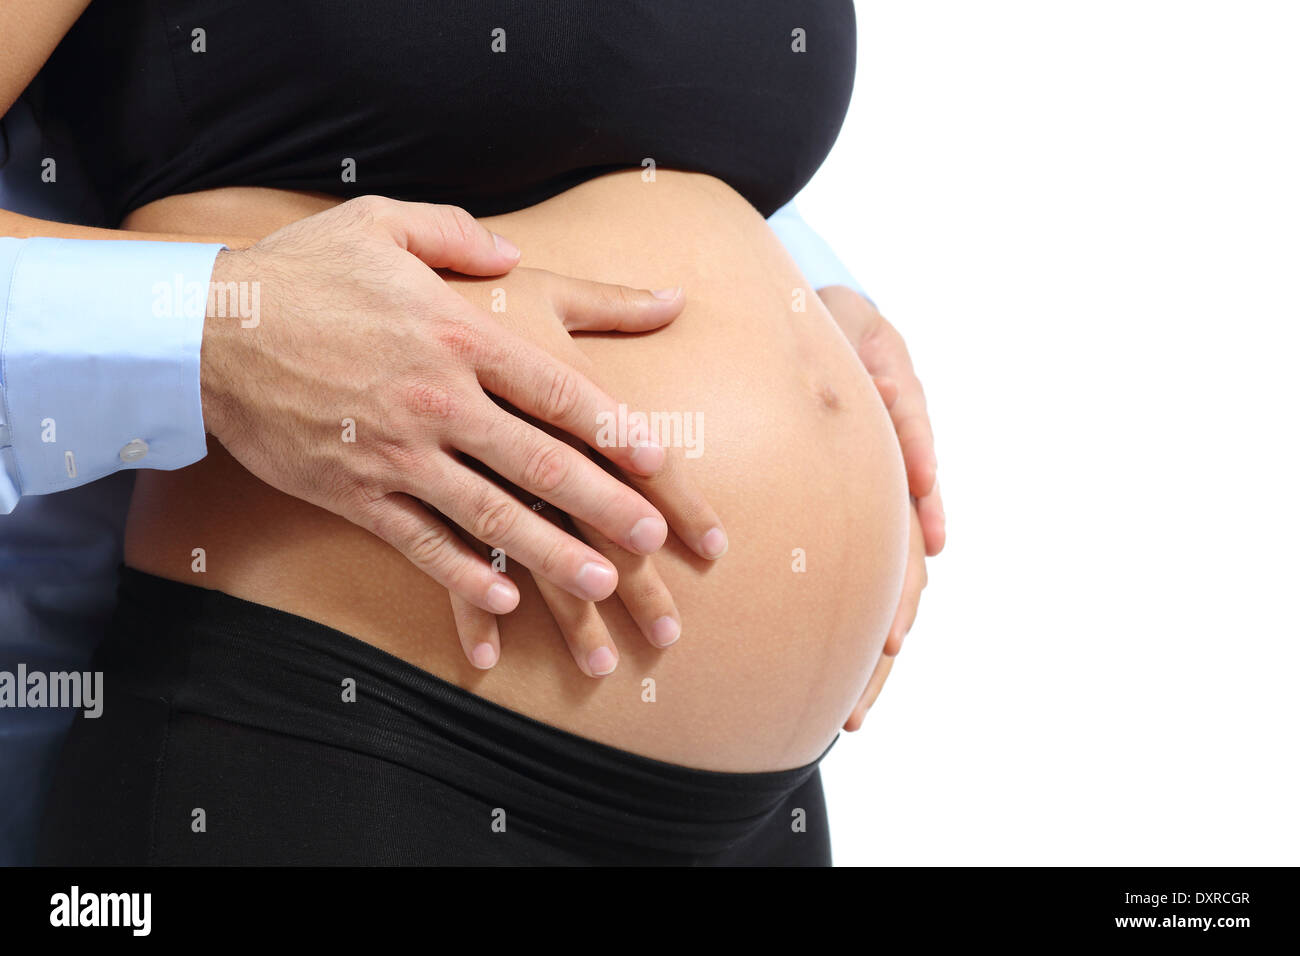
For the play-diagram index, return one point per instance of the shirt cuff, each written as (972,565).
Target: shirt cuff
(99,359)
(811,253)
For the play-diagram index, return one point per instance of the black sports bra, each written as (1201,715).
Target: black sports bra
(488,104)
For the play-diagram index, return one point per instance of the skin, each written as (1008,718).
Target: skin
(800,454)
(884,355)
(377,254)
(29,30)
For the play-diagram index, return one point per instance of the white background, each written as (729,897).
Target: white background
(1085,220)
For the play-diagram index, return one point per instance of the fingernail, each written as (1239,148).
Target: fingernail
(596,581)
(601,661)
(505,246)
(646,455)
(648,535)
(484,655)
(665,631)
(714,543)
(667,294)
(501,599)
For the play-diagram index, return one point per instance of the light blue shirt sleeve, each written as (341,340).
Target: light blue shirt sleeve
(811,253)
(99,359)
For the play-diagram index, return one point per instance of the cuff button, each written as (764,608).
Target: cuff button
(134,450)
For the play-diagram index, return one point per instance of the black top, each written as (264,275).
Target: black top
(488,104)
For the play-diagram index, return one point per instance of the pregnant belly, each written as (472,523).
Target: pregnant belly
(787,437)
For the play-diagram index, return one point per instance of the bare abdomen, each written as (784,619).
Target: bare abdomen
(796,452)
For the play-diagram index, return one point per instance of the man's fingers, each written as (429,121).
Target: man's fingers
(427,542)
(443,237)
(601,307)
(499,520)
(479,635)
(551,391)
(642,591)
(557,394)
(551,470)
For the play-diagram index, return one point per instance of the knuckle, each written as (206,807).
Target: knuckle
(563,394)
(429,400)
(430,548)
(646,592)
(394,458)
(494,521)
(910,385)
(625,299)
(368,208)
(358,494)
(458,226)
(545,470)
(459,339)
(691,509)
(585,634)
(553,560)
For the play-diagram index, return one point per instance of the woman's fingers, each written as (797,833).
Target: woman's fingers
(934,523)
(689,513)
(884,353)
(874,685)
(642,591)
(584,632)
(906,404)
(914,581)
(888,389)
(479,635)
(428,543)
(551,470)
(586,306)
(912,423)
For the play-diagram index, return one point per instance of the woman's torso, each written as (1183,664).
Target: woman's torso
(797,455)
(517,109)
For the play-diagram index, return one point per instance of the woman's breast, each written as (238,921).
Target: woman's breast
(780,427)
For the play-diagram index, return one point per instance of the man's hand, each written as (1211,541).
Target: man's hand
(884,354)
(548,309)
(364,376)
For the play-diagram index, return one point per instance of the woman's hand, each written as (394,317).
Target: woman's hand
(547,309)
(640,589)
(360,399)
(884,354)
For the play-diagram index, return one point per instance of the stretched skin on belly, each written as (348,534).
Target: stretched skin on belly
(798,456)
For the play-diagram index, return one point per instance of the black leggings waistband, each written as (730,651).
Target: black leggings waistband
(247,707)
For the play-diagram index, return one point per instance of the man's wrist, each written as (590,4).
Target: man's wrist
(221,325)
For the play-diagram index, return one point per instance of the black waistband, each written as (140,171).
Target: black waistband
(209,653)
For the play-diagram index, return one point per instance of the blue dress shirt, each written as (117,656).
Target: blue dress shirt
(99,375)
